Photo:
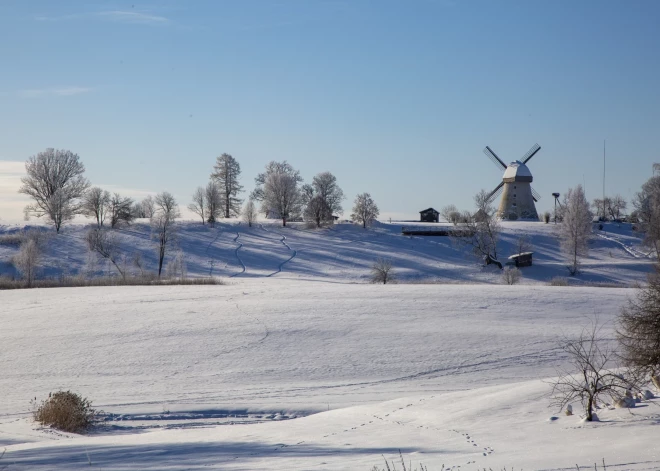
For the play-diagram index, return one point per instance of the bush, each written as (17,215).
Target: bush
(66,411)
(546,217)
(381,271)
(511,275)
(559,281)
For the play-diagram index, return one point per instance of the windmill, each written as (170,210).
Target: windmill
(518,196)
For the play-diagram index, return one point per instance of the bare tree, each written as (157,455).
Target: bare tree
(120,209)
(95,203)
(213,202)
(480,231)
(163,224)
(273,167)
(104,243)
(55,182)
(199,205)
(639,328)
(617,205)
(600,206)
(450,214)
(27,261)
(575,228)
(322,198)
(523,244)
(365,210)
(148,207)
(381,271)
(282,195)
(590,377)
(249,212)
(226,173)
(511,275)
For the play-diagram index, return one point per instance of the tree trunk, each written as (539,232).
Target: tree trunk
(283,222)
(590,405)
(364,223)
(160,260)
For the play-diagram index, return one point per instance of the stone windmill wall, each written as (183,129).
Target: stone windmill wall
(517,201)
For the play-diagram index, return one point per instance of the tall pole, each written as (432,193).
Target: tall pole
(603,178)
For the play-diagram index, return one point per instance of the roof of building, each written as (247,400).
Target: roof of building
(429,209)
(517,169)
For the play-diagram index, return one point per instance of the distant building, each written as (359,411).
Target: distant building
(429,215)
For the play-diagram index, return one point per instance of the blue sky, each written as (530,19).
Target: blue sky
(397,98)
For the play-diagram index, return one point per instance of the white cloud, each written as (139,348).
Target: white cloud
(64,91)
(120,16)
(133,17)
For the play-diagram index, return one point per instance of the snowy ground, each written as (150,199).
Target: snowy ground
(344,253)
(297,363)
(211,377)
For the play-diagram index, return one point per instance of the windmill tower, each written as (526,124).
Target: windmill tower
(518,196)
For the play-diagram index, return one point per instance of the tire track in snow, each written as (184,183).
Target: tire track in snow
(630,250)
(282,240)
(208,247)
(240,244)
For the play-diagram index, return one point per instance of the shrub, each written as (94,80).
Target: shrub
(511,275)
(546,217)
(66,411)
(559,281)
(381,271)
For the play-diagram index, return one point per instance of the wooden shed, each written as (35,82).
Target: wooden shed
(429,215)
(521,259)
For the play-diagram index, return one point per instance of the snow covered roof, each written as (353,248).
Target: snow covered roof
(517,171)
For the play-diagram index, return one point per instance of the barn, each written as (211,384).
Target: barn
(429,215)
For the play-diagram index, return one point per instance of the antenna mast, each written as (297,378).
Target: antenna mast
(603,177)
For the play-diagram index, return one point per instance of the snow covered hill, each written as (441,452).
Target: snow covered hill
(449,374)
(344,253)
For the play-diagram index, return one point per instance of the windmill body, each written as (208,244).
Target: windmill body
(517,201)
(518,196)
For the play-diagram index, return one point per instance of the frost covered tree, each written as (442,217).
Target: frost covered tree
(450,214)
(226,173)
(590,376)
(273,168)
(95,204)
(56,183)
(638,331)
(647,209)
(120,209)
(199,205)
(249,212)
(381,271)
(322,198)
(282,195)
(148,207)
(214,209)
(104,243)
(480,231)
(163,224)
(27,260)
(575,228)
(365,210)
(617,205)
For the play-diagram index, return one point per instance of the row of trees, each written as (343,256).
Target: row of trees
(56,183)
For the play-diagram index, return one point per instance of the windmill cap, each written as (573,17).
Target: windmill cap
(517,172)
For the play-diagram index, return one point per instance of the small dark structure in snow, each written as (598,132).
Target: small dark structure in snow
(429,215)
(521,259)
(488,260)
(426,230)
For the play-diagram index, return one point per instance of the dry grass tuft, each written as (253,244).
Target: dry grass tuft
(66,411)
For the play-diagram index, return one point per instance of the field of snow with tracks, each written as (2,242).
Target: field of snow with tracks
(297,363)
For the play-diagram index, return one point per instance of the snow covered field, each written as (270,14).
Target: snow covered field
(297,363)
(449,374)
(345,253)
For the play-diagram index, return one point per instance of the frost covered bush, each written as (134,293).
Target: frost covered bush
(66,411)
(559,281)
(511,275)
(381,271)
(546,217)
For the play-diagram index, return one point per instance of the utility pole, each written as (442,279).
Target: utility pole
(603,178)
